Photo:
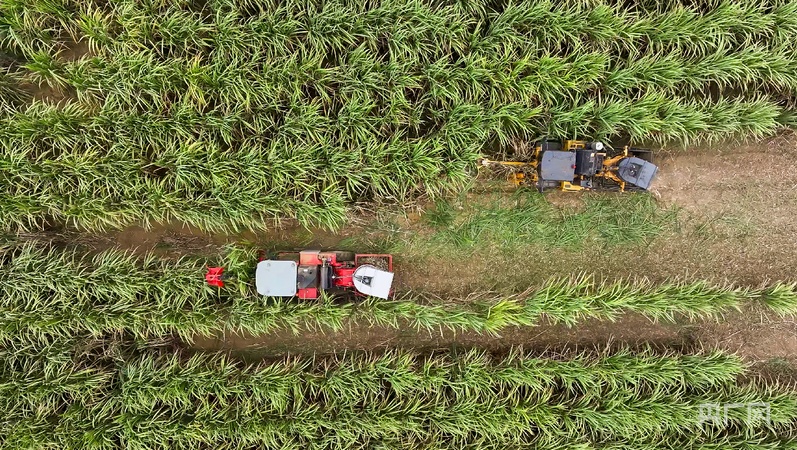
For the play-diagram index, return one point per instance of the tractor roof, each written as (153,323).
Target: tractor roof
(276,278)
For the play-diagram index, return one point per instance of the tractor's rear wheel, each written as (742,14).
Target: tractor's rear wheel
(344,256)
(550,145)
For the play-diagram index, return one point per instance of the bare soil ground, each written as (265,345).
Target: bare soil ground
(736,224)
(741,204)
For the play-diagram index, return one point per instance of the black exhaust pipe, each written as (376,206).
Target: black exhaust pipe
(325,278)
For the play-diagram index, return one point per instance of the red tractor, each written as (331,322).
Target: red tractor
(307,273)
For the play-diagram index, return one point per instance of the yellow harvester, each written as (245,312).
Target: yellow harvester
(581,165)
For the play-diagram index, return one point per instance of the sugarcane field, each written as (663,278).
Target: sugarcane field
(398,224)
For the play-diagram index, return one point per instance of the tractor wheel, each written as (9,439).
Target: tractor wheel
(632,188)
(642,153)
(550,145)
(344,256)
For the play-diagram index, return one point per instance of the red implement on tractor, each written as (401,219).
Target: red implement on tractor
(215,276)
(307,273)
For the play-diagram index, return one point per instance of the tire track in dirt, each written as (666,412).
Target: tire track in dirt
(630,330)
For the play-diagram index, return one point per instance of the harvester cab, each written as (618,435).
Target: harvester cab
(581,165)
(308,273)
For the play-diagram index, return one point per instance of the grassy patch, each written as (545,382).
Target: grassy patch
(604,220)
(506,241)
(524,219)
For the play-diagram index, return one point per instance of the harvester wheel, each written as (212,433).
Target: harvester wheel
(642,153)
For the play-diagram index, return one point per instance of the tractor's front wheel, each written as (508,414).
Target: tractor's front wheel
(642,153)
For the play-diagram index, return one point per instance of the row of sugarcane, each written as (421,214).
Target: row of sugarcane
(225,117)
(49,291)
(140,77)
(730,43)
(620,399)
(142,80)
(123,169)
(430,29)
(110,178)
(383,100)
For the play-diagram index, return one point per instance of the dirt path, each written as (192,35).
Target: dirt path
(740,204)
(761,338)
(736,223)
